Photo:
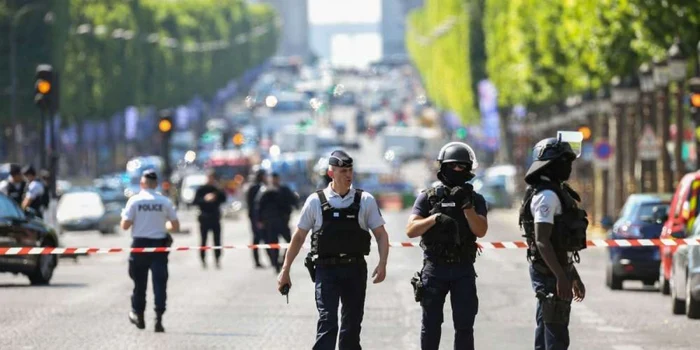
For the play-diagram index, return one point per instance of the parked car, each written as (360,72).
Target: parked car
(190,184)
(681,216)
(24,229)
(685,277)
(86,210)
(641,218)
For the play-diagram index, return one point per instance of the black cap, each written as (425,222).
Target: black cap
(275,174)
(15,169)
(340,159)
(28,170)
(150,174)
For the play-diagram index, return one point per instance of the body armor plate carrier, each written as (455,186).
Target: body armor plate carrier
(340,233)
(448,243)
(569,232)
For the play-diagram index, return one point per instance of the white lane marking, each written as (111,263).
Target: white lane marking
(627,347)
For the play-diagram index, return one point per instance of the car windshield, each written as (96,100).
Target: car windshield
(647,209)
(289,106)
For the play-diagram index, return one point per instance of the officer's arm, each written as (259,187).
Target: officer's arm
(198,197)
(174,225)
(382,238)
(127,215)
(477,223)
(543,234)
(418,225)
(294,246)
(126,224)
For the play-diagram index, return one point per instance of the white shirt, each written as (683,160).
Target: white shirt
(149,211)
(544,206)
(311,217)
(35,190)
(5,185)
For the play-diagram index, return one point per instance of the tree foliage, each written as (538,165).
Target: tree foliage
(112,53)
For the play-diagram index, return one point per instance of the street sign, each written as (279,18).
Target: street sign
(602,151)
(648,145)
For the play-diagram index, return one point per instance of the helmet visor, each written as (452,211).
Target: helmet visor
(573,138)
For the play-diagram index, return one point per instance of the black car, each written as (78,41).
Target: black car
(23,229)
(640,219)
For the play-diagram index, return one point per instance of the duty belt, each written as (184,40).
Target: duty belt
(339,260)
(450,260)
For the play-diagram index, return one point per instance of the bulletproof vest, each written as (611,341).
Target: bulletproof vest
(45,198)
(38,203)
(340,231)
(447,242)
(569,231)
(16,192)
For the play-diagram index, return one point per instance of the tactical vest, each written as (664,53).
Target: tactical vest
(449,243)
(569,231)
(340,231)
(16,192)
(38,203)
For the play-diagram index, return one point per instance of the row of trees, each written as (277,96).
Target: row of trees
(538,52)
(113,53)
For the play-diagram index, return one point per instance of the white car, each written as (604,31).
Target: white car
(190,184)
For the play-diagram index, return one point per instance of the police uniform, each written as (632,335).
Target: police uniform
(149,211)
(11,188)
(340,239)
(35,192)
(449,251)
(549,200)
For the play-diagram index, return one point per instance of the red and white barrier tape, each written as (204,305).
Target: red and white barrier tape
(483,245)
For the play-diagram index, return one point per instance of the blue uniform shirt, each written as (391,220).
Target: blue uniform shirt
(149,211)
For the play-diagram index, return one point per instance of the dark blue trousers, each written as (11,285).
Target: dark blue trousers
(460,281)
(548,336)
(139,265)
(346,283)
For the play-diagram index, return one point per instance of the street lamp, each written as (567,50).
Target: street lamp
(661,72)
(677,63)
(646,78)
(661,76)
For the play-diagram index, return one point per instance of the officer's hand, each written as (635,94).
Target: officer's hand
(210,197)
(564,288)
(579,290)
(283,279)
(458,194)
(379,273)
(446,222)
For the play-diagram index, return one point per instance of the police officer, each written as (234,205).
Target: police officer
(149,215)
(14,185)
(555,229)
(449,218)
(34,196)
(274,204)
(339,217)
(209,198)
(251,195)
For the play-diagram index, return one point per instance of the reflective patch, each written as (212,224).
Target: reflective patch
(336,214)
(448,204)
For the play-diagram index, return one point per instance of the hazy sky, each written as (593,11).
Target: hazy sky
(336,11)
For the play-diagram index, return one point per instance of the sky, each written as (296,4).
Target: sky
(349,50)
(338,11)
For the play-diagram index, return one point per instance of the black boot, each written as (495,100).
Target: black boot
(159,324)
(137,319)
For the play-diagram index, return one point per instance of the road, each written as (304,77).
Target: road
(238,307)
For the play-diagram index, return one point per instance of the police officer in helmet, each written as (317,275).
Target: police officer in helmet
(555,230)
(340,218)
(449,218)
(150,216)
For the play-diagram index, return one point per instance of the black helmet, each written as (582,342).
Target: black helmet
(457,152)
(548,150)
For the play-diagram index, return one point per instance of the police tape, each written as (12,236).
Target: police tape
(483,245)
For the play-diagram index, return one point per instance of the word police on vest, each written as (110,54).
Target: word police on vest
(150,207)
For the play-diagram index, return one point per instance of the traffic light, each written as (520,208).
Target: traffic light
(238,139)
(46,88)
(694,85)
(586,131)
(165,127)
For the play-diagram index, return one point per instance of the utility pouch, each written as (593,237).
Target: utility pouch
(555,311)
(311,266)
(417,284)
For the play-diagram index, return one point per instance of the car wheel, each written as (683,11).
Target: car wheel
(677,306)
(692,305)
(613,281)
(44,269)
(663,282)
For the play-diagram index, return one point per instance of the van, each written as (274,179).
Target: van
(681,216)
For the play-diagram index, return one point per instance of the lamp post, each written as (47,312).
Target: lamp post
(660,74)
(16,149)
(630,94)
(677,65)
(617,96)
(646,111)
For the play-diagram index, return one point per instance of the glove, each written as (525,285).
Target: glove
(463,195)
(445,222)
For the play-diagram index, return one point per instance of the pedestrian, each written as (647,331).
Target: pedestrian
(34,196)
(340,218)
(14,186)
(555,229)
(274,205)
(449,218)
(251,195)
(209,198)
(149,215)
